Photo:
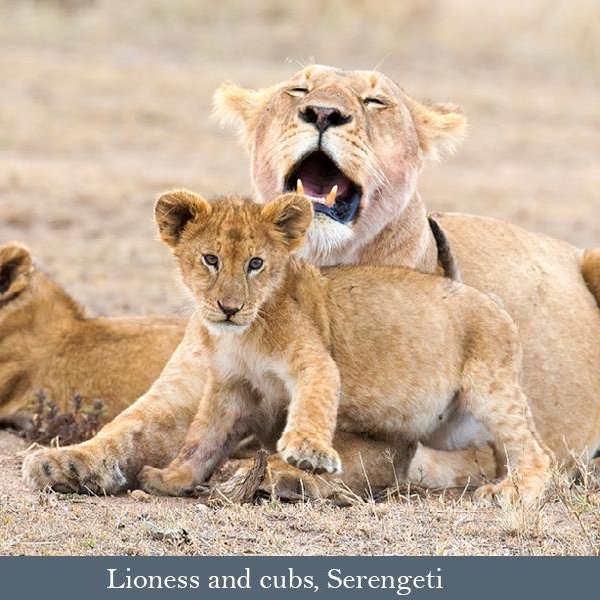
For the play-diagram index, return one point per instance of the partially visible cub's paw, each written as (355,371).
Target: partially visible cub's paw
(503,493)
(170,481)
(74,469)
(303,451)
(512,491)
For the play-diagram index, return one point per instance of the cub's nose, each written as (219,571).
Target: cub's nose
(323,117)
(229,311)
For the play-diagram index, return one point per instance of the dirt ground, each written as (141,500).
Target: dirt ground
(106,104)
(436,524)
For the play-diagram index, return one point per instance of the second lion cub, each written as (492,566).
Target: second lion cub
(295,351)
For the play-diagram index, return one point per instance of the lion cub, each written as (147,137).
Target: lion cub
(293,351)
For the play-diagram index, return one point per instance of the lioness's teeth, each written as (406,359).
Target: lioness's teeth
(299,186)
(330,199)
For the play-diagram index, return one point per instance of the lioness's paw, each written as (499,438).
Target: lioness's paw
(72,469)
(290,483)
(169,481)
(303,451)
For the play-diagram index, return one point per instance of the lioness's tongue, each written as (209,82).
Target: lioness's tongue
(319,176)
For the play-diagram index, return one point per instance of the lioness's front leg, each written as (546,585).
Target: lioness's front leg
(224,417)
(372,465)
(150,431)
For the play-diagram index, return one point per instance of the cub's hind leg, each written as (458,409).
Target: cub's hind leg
(493,396)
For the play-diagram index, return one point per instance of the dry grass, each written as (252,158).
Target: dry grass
(436,524)
(106,105)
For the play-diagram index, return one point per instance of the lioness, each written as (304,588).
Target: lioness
(284,342)
(360,131)
(46,342)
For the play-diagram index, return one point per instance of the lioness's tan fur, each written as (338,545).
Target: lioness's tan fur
(46,342)
(590,268)
(540,281)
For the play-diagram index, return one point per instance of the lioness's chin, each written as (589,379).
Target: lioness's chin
(325,239)
(225,327)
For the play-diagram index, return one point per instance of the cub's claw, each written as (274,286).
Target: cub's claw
(72,470)
(304,452)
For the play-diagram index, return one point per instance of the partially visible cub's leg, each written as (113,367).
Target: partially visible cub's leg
(440,469)
(224,418)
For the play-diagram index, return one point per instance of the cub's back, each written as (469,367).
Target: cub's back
(385,318)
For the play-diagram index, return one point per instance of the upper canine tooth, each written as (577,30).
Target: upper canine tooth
(330,199)
(299,186)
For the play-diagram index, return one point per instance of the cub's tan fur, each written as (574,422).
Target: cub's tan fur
(47,343)
(282,338)
(540,281)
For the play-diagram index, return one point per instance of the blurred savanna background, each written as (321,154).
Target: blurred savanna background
(104,104)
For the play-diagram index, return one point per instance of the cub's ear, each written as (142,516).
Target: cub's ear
(234,105)
(291,215)
(16,267)
(174,210)
(440,127)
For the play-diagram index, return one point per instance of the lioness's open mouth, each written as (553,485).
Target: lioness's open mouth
(332,192)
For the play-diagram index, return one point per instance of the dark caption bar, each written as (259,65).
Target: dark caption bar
(307,577)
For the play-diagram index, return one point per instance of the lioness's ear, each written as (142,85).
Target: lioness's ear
(174,210)
(235,105)
(290,214)
(440,127)
(15,268)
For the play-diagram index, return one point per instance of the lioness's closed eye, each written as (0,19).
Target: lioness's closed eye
(295,352)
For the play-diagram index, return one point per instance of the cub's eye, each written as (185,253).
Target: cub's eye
(254,264)
(378,102)
(297,92)
(210,260)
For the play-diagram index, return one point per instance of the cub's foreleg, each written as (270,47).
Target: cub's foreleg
(224,417)
(149,432)
(307,439)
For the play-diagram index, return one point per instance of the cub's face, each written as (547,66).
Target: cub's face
(232,253)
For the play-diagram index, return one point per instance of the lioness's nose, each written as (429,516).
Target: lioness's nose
(323,117)
(229,311)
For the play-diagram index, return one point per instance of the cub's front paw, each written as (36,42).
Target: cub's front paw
(303,451)
(73,469)
(170,481)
